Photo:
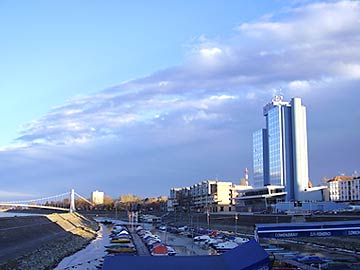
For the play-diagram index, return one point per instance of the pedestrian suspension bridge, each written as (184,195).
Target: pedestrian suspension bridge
(55,202)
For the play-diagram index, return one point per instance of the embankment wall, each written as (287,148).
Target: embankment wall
(40,242)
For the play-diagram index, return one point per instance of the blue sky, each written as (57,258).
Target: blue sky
(54,50)
(123,94)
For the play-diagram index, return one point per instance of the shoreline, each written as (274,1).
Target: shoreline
(45,241)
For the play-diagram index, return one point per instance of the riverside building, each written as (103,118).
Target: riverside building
(209,195)
(344,188)
(280,154)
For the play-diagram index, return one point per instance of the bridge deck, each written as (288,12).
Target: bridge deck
(34,206)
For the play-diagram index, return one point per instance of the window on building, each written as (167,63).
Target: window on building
(213,188)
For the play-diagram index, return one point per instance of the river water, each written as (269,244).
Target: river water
(91,257)
(9,214)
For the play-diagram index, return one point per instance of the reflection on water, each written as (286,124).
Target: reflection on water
(9,214)
(91,256)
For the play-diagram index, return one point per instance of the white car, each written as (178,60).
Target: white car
(202,238)
(225,246)
(240,240)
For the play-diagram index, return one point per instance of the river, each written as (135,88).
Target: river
(10,214)
(91,257)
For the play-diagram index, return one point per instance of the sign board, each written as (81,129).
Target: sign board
(311,229)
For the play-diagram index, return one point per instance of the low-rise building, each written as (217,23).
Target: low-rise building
(344,188)
(260,199)
(209,195)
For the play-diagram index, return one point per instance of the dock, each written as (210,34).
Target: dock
(141,249)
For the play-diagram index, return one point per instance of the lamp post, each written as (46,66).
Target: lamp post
(207,209)
(191,226)
(236,220)
(208,218)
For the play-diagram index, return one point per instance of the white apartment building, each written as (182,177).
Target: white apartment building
(209,195)
(344,188)
(97,197)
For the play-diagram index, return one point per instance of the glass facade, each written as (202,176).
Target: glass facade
(258,158)
(280,150)
(274,128)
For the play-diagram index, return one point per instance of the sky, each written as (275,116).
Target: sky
(132,97)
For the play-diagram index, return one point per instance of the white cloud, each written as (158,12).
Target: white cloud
(348,70)
(267,29)
(317,22)
(70,112)
(164,83)
(299,85)
(210,52)
(200,115)
(222,97)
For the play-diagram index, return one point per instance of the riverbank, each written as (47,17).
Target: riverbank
(40,242)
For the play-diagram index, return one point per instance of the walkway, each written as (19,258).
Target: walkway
(140,246)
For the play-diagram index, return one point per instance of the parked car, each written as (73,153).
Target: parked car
(202,238)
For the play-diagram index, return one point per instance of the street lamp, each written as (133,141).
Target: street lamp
(236,220)
(208,218)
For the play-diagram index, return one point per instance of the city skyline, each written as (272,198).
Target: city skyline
(132,98)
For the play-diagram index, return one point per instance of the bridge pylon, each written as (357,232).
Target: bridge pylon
(72,201)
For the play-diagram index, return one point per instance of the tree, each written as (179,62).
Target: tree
(108,203)
(129,201)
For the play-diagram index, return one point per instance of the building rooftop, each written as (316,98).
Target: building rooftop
(276,101)
(342,178)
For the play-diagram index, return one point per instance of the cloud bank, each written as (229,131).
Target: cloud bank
(195,121)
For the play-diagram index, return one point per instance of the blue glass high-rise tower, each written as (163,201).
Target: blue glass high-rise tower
(280,151)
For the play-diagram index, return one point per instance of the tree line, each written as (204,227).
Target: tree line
(127,202)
